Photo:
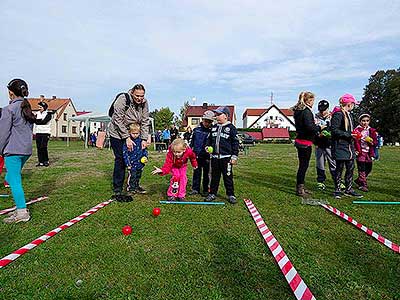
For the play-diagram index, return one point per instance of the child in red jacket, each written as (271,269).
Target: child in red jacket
(364,145)
(176,165)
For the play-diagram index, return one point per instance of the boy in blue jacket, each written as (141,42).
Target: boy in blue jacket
(198,144)
(225,150)
(135,160)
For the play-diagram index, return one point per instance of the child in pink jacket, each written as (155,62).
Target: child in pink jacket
(365,150)
(176,164)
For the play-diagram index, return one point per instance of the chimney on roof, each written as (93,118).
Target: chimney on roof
(205,105)
(54,97)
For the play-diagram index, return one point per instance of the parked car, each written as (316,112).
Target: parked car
(246,139)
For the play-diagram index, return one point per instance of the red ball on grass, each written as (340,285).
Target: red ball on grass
(156,211)
(127,230)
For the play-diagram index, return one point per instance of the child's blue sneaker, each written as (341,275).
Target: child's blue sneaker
(353,193)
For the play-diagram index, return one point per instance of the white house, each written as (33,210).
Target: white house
(272,117)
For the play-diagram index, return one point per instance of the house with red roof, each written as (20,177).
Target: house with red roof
(195,112)
(271,117)
(63,109)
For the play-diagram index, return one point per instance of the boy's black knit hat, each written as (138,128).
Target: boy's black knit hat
(323,105)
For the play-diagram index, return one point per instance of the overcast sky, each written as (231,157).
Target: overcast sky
(222,52)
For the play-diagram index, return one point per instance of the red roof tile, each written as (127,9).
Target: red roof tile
(271,133)
(80,113)
(287,112)
(253,112)
(54,104)
(198,111)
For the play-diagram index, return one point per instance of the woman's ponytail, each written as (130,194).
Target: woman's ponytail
(26,111)
(20,89)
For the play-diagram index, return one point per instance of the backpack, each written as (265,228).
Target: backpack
(127,104)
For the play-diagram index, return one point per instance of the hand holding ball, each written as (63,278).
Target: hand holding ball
(326,133)
(144,160)
(369,139)
(209,149)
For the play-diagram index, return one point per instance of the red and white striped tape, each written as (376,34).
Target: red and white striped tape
(13,256)
(296,283)
(368,231)
(7,210)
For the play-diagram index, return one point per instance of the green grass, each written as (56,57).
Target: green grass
(195,252)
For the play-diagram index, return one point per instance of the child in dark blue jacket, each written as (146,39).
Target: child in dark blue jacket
(198,143)
(224,150)
(135,160)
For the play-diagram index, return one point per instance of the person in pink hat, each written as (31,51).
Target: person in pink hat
(343,145)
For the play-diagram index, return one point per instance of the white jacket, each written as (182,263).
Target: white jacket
(42,128)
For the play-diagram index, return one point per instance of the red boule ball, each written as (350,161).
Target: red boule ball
(156,211)
(127,230)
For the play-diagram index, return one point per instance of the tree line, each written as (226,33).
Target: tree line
(381,100)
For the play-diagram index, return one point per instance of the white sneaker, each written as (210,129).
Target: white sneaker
(20,215)
(11,213)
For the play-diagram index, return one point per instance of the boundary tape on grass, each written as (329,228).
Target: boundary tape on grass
(13,256)
(38,199)
(192,203)
(378,237)
(296,283)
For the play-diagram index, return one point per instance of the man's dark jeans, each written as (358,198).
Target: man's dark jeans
(119,165)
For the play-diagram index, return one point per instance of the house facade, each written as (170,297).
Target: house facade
(272,117)
(195,112)
(63,109)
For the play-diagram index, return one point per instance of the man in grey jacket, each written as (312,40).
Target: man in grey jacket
(127,111)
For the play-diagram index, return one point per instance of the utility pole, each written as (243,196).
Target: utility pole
(272,98)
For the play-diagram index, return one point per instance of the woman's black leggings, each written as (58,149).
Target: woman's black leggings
(42,140)
(304,154)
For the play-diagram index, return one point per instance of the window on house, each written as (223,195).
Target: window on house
(94,124)
(65,116)
(271,117)
(73,129)
(195,121)
(64,129)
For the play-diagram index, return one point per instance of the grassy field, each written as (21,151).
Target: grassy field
(193,252)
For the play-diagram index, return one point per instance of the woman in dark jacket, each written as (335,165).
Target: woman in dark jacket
(306,131)
(42,135)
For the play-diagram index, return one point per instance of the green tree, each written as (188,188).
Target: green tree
(382,101)
(182,114)
(162,117)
